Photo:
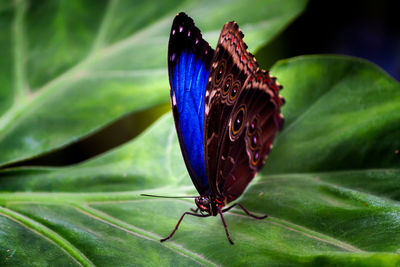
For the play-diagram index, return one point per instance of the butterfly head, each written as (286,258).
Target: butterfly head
(209,205)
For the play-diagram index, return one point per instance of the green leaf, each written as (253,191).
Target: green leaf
(80,65)
(92,213)
(345,117)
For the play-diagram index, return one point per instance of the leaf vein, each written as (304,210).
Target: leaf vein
(134,230)
(48,234)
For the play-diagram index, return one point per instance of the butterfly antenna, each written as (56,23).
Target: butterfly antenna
(146,195)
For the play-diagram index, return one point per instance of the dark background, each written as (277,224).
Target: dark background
(366,29)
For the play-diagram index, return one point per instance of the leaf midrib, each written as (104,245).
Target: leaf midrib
(106,218)
(134,230)
(22,103)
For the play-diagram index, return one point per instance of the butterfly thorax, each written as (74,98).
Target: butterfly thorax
(209,204)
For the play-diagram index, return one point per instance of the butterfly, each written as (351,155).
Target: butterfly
(226,111)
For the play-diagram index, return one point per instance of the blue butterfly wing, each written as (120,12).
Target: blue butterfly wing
(189,60)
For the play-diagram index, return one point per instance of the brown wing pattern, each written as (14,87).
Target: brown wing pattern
(248,137)
(237,95)
(229,72)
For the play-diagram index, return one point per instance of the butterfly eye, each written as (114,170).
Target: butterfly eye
(227,85)
(219,73)
(234,91)
(238,121)
(256,157)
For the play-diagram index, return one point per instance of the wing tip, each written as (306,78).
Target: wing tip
(234,40)
(185,36)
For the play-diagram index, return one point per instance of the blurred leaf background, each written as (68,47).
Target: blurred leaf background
(83,86)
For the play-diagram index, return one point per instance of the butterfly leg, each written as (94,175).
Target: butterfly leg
(226,227)
(194,210)
(246,211)
(180,220)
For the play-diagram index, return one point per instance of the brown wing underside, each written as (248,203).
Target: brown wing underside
(237,89)
(248,137)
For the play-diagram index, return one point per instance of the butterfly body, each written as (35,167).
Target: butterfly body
(226,112)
